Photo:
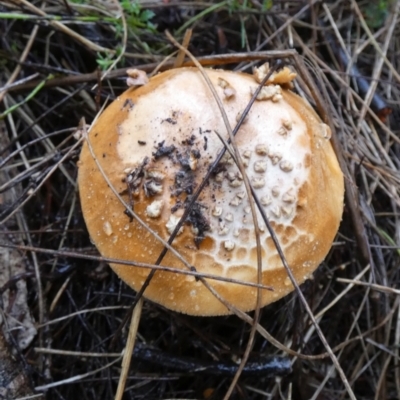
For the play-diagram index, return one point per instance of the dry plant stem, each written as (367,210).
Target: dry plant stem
(381,390)
(344,83)
(47,143)
(23,223)
(160,65)
(181,54)
(352,197)
(374,286)
(364,363)
(380,346)
(371,135)
(50,110)
(287,23)
(30,169)
(16,324)
(75,378)
(69,32)
(59,294)
(130,344)
(344,292)
(381,324)
(13,129)
(353,325)
(64,234)
(319,316)
(240,314)
(336,30)
(189,272)
(269,365)
(75,353)
(346,62)
(6,87)
(82,312)
(214,60)
(51,171)
(379,62)
(249,191)
(22,59)
(382,50)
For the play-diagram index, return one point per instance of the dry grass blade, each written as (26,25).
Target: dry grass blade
(130,344)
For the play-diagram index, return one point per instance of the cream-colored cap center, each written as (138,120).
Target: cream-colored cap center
(180,144)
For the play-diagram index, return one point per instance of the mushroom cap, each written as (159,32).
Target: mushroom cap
(155,144)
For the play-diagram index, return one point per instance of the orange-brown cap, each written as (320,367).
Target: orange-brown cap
(155,144)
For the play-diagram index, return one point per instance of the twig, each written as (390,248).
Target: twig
(219,59)
(130,344)
(181,54)
(58,25)
(189,272)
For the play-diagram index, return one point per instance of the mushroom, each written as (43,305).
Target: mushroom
(162,136)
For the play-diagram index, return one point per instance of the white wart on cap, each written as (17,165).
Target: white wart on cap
(158,141)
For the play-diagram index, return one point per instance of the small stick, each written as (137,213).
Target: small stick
(181,54)
(219,59)
(130,344)
(61,27)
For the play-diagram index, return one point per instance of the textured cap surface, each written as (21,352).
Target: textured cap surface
(155,144)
